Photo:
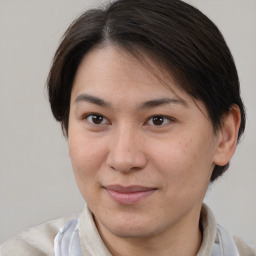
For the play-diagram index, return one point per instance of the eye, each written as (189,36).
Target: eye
(159,120)
(96,119)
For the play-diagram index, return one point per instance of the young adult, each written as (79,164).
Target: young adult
(148,97)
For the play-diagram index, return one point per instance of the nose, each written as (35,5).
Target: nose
(126,151)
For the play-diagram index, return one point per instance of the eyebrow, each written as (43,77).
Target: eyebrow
(161,102)
(147,104)
(92,99)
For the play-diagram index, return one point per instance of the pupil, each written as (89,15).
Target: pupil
(158,120)
(97,119)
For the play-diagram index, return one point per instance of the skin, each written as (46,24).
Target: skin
(173,154)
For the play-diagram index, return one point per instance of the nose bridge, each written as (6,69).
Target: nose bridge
(126,152)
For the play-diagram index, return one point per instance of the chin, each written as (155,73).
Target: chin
(131,231)
(128,226)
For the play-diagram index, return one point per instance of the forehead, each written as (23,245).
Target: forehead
(108,66)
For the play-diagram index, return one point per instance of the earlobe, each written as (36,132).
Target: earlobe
(227,137)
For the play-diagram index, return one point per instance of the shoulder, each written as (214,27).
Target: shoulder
(244,248)
(216,236)
(38,240)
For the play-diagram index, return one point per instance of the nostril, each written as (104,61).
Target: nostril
(126,161)
(125,152)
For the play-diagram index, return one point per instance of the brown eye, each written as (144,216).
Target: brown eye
(159,120)
(96,119)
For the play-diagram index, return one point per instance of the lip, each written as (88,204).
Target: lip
(128,195)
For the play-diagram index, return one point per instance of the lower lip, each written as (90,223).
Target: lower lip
(129,198)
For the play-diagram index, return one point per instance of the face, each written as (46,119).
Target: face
(142,153)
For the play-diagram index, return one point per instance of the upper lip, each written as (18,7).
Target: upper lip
(128,189)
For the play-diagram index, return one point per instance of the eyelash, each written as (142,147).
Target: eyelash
(150,120)
(165,119)
(86,117)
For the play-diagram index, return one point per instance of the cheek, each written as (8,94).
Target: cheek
(183,161)
(185,170)
(87,155)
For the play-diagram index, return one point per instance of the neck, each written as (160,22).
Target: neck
(184,239)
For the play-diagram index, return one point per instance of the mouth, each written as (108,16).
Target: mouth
(128,195)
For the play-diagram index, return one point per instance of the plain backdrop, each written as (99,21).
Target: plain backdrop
(36,180)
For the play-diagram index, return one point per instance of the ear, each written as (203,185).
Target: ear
(227,136)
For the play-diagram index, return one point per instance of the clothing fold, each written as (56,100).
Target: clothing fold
(216,240)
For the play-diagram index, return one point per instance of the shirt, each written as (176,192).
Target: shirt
(39,240)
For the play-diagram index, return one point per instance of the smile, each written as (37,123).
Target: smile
(128,195)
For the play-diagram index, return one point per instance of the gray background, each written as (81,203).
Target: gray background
(36,180)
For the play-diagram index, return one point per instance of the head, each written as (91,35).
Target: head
(177,36)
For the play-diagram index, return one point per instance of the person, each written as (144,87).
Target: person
(147,94)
